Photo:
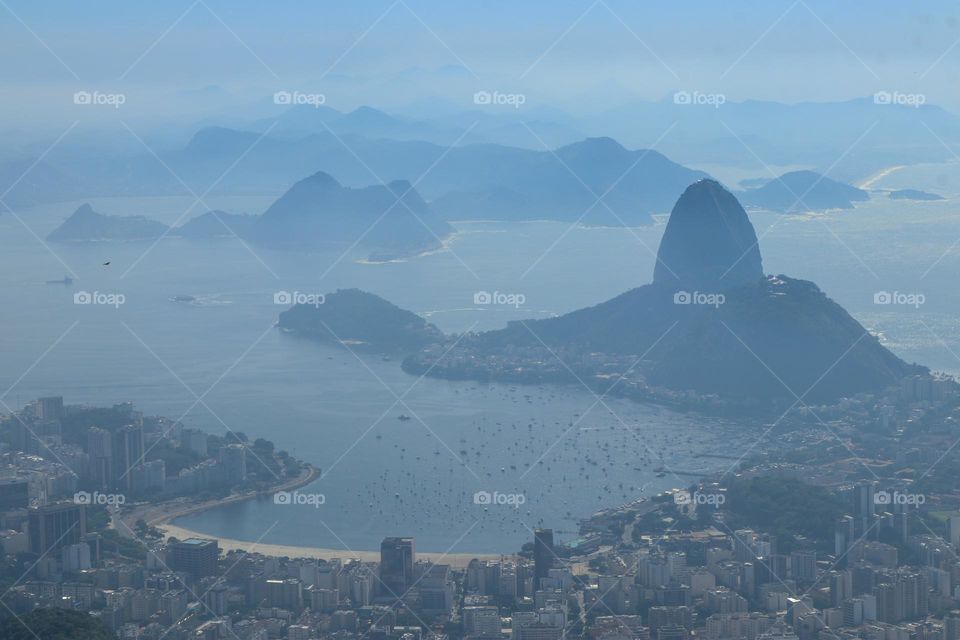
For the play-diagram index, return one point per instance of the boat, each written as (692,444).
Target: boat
(403,417)
(65,280)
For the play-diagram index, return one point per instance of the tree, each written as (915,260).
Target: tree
(54,624)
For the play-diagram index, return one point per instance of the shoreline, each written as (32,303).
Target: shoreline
(163,514)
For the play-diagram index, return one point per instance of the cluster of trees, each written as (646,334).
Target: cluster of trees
(54,624)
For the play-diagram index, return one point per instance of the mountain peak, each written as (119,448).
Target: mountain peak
(320,179)
(709,241)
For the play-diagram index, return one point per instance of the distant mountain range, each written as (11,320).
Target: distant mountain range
(500,159)
(315,214)
(803,191)
(597,181)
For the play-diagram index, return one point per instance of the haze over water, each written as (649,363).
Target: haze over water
(316,401)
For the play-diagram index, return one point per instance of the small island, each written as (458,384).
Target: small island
(803,191)
(87,225)
(913,194)
(360,320)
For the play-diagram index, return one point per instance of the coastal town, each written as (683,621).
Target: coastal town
(850,531)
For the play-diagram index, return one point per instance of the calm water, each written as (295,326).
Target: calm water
(567,455)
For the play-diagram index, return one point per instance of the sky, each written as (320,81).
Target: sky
(199,57)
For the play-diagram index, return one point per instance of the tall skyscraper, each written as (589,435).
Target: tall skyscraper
(127,453)
(57,525)
(100,450)
(542,554)
(195,556)
(396,566)
(50,408)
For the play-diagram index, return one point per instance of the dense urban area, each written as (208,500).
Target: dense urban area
(850,531)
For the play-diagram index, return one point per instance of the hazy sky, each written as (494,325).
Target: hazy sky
(581,56)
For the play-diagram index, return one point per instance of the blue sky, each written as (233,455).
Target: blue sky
(577,55)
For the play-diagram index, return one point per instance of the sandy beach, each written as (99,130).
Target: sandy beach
(459,560)
(162,515)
